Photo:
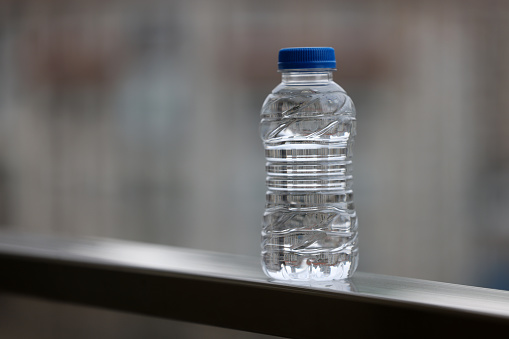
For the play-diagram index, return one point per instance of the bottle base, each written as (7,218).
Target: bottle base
(307,269)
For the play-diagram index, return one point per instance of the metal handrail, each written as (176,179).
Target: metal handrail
(231,291)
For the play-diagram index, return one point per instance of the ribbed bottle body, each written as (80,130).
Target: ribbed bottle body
(309,228)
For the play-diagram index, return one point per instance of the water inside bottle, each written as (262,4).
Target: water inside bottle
(310,224)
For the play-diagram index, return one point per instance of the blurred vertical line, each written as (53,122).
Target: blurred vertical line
(11,13)
(4,193)
(492,182)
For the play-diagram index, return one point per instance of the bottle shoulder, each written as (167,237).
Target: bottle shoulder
(308,100)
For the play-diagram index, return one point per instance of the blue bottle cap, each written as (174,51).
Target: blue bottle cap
(306,57)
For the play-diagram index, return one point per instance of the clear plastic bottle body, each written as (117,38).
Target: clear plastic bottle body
(309,228)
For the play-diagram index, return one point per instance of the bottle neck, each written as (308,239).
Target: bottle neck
(306,77)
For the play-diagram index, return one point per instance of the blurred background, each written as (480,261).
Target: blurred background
(139,120)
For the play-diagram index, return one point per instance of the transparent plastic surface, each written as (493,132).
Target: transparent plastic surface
(310,224)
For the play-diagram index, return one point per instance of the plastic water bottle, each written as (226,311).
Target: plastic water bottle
(308,128)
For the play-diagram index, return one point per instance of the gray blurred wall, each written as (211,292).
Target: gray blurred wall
(139,120)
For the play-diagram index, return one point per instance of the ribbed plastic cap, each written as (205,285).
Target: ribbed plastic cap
(306,57)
